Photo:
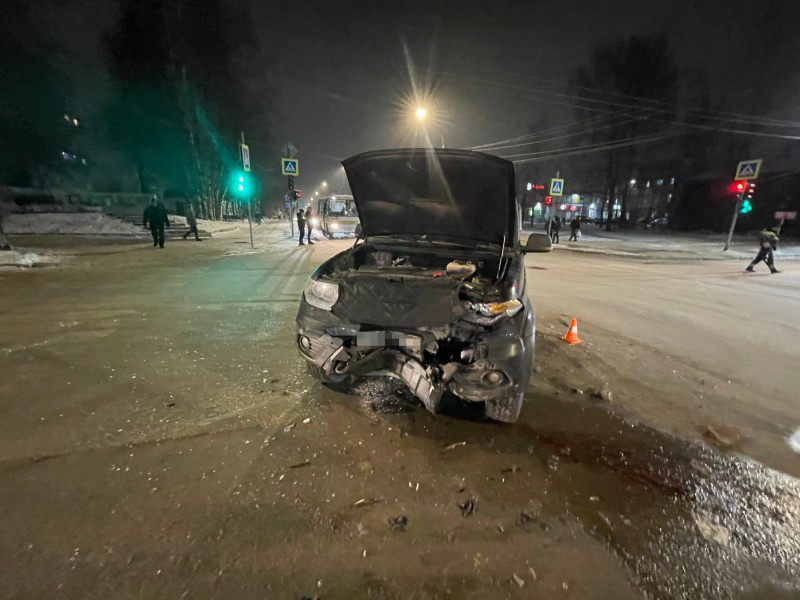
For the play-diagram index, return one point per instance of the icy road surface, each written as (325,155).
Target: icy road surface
(160,438)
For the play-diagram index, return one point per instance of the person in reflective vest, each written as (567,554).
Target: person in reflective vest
(767,243)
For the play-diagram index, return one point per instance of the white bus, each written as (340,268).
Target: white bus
(337,215)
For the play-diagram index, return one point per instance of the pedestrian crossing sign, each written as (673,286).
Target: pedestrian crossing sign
(748,169)
(556,187)
(290,166)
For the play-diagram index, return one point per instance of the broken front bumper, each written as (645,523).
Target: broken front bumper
(494,369)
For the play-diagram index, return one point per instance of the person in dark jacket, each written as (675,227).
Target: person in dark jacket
(575,227)
(555,227)
(301,225)
(155,216)
(309,223)
(767,243)
(191,221)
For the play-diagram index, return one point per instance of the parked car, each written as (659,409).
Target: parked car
(433,292)
(660,223)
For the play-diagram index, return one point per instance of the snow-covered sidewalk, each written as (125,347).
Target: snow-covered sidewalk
(667,246)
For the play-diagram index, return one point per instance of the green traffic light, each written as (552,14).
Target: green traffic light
(746,207)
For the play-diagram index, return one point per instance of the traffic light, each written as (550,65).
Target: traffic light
(746,207)
(241,184)
(290,181)
(296,195)
(737,187)
(548,200)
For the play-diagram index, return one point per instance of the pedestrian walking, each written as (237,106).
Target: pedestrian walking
(191,221)
(768,241)
(301,225)
(554,229)
(309,223)
(155,216)
(575,229)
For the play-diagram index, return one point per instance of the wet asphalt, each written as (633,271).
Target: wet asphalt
(161,439)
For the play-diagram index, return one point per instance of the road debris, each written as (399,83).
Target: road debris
(289,427)
(307,420)
(722,436)
(305,463)
(524,518)
(456,445)
(511,469)
(603,394)
(712,530)
(700,467)
(366,501)
(468,506)
(398,523)
(518,580)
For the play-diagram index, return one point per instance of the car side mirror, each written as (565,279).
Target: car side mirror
(537,242)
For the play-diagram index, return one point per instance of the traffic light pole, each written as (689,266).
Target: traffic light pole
(736,210)
(249,207)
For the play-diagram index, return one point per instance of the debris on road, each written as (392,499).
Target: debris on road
(366,501)
(398,523)
(523,518)
(712,530)
(307,420)
(603,394)
(723,436)
(468,506)
(518,580)
(289,427)
(700,467)
(511,469)
(305,463)
(456,445)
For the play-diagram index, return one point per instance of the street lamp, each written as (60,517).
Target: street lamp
(421,113)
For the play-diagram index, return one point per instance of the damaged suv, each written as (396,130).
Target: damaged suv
(433,290)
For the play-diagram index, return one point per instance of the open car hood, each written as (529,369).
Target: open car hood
(438,193)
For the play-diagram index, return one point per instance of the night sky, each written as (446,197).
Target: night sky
(492,67)
(342,80)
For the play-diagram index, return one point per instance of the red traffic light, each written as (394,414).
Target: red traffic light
(548,200)
(737,186)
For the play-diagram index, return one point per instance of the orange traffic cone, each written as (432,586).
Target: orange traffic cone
(571,337)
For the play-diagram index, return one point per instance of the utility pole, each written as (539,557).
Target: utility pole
(249,206)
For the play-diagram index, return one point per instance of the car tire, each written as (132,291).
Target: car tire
(505,410)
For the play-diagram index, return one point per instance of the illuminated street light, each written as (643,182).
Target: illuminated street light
(421,113)
(324,184)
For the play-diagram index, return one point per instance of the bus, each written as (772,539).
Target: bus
(337,215)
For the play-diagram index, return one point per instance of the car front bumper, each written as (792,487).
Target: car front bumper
(495,367)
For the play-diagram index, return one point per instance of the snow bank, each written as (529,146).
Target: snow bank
(69,223)
(20,258)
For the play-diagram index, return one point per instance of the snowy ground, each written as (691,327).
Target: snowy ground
(161,438)
(89,224)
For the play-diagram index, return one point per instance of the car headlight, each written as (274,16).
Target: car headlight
(491,312)
(321,294)
(314,221)
(334,226)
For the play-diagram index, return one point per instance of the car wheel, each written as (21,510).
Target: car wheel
(505,410)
